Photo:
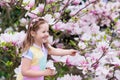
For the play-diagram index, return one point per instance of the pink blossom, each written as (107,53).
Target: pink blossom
(30,4)
(41,7)
(59,26)
(82,45)
(49,18)
(118,25)
(117,72)
(27,7)
(86,37)
(50,39)
(5,48)
(31,15)
(76,2)
(103,46)
(75,60)
(116,43)
(60,45)
(59,58)
(69,27)
(50,1)
(2,3)
(50,65)
(70,77)
(17,38)
(94,29)
(103,71)
(57,15)
(23,22)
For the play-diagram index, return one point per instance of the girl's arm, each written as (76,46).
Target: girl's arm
(61,52)
(26,71)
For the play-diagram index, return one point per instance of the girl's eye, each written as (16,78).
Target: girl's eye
(45,31)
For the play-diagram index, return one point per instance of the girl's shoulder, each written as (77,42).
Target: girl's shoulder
(28,54)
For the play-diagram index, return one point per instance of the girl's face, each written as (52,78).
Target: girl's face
(42,34)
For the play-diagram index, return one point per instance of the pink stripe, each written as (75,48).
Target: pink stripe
(35,68)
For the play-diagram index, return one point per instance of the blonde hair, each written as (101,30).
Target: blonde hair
(33,26)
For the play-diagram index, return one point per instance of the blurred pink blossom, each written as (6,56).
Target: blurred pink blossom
(57,15)
(50,1)
(31,15)
(17,38)
(41,7)
(30,4)
(76,2)
(70,77)
(103,46)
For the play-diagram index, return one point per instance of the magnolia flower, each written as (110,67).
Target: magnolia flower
(75,60)
(57,15)
(74,9)
(50,1)
(94,56)
(30,4)
(7,1)
(59,58)
(50,65)
(76,2)
(41,7)
(103,71)
(86,36)
(101,77)
(118,25)
(59,26)
(60,45)
(103,46)
(17,71)
(49,19)
(2,78)
(17,38)
(76,29)
(10,29)
(31,15)
(23,22)
(70,77)
(70,28)
(82,45)
(94,29)
(50,39)
(66,1)
(35,11)
(116,43)
(117,72)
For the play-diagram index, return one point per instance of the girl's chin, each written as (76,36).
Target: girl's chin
(45,41)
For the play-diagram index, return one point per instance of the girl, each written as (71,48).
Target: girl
(36,49)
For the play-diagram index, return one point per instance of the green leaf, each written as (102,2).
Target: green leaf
(105,37)
(9,63)
(72,43)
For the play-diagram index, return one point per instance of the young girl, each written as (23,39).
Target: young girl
(35,51)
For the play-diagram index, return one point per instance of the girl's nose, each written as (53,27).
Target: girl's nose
(47,34)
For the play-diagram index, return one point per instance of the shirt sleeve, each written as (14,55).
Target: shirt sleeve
(28,54)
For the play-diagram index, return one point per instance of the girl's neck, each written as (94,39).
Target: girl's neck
(37,45)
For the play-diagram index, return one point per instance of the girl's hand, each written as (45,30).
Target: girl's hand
(73,52)
(50,72)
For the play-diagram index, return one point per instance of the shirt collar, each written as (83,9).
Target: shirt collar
(35,45)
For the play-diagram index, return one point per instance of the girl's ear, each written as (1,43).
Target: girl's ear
(32,33)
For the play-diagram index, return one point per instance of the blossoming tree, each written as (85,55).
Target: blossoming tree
(90,26)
